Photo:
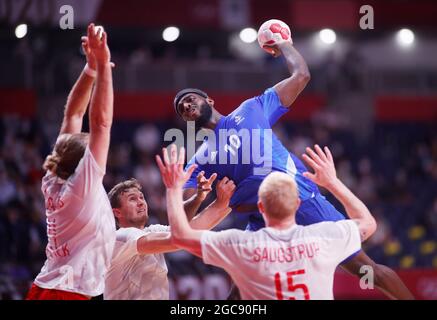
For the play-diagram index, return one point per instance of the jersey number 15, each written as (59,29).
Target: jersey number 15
(291,286)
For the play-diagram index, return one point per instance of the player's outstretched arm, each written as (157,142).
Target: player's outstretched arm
(288,89)
(79,96)
(325,175)
(102,101)
(161,242)
(174,178)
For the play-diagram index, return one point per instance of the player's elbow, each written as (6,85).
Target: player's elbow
(174,240)
(101,123)
(370,228)
(303,77)
(178,240)
(177,236)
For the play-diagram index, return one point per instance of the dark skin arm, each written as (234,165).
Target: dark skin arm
(288,89)
(193,198)
(192,202)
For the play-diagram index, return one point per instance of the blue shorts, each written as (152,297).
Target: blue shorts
(312,210)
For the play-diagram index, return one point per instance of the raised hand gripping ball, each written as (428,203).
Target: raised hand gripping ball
(273,32)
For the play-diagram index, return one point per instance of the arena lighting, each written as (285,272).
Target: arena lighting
(327,36)
(170,34)
(248,35)
(405,37)
(21,31)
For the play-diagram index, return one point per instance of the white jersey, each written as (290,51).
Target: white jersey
(297,263)
(136,276)
(80,229)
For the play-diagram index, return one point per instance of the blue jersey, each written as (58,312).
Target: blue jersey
(244,148)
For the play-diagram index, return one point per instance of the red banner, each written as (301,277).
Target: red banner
(195,13)
(155,106)
(422,283)
(18,101)
(406,108)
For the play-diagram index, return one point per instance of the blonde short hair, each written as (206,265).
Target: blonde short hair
(279,195)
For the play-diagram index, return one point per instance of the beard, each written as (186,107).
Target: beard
(205,115)
(139,221)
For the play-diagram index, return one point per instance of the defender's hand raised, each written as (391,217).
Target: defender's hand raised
(204,185)
(323,165)
(225,189)
(172,168)
(97,43)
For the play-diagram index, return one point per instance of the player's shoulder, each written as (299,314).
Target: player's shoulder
(268,96)
(48,177)
(331,229)
(157,228)
(249,103)
(48,181)
(128,234)
(226,237)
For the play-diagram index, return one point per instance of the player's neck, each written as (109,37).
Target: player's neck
(215,118)
(132,225)
(281,224)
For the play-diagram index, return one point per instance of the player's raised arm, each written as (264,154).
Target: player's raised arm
(174,178)
(276,40)
(79,97)
(101,109)
(288,89)
(211,216)
(324,175)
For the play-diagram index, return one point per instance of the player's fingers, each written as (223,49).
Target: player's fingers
(329,154)
(314,156)
(91,32)
(201,176)
(173,154)
(88,32)
(225,180)
(309,175)
(104,38)
(181,155)
(320,152)
(112,64)
(160,164)
(190,170)
(310,162)
(165,156)
(231,185)
(212,178)
(85,41)
(89,29)
(181,158)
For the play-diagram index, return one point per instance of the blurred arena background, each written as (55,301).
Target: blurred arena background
(372,99)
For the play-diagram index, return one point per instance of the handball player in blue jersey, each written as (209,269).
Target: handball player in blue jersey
(242,147)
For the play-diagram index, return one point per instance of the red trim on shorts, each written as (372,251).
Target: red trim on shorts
(37,293)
